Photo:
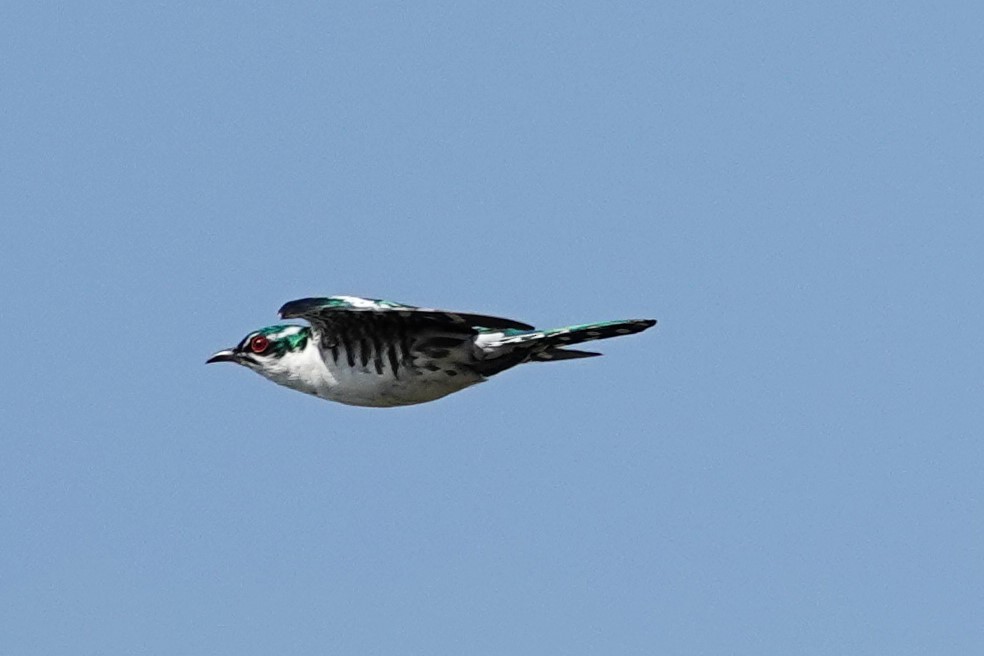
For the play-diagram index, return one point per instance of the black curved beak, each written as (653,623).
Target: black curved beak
(224,356)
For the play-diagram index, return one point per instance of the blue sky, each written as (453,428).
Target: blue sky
(789,463)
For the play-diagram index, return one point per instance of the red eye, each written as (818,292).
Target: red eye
(259,344)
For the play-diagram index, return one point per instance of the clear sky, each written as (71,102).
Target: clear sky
(789,463)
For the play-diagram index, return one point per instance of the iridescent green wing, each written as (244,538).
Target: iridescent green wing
(332,310)
(377,333)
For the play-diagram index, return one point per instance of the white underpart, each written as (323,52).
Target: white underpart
(307,371)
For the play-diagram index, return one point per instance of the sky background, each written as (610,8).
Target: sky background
(789,463)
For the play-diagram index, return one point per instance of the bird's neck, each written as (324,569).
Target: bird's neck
(303,370)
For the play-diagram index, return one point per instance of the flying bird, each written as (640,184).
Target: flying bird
(376,353)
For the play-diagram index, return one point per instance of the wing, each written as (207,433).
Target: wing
(332,310)
(388,334)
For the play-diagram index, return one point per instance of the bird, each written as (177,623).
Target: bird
(377,353)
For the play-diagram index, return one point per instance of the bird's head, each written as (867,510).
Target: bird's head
(266,351)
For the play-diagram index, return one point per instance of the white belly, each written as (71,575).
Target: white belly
(308,372)
(368,388)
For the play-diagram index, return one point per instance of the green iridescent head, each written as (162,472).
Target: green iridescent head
(264,346)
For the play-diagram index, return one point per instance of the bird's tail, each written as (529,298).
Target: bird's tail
(511,347)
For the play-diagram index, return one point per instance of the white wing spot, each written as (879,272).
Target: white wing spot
(355,301)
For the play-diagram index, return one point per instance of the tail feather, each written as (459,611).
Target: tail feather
(552,354)
(510,347)
(570,335)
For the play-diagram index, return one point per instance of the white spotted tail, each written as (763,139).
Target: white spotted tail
(551,345)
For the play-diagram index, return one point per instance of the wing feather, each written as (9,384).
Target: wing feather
(329,310)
